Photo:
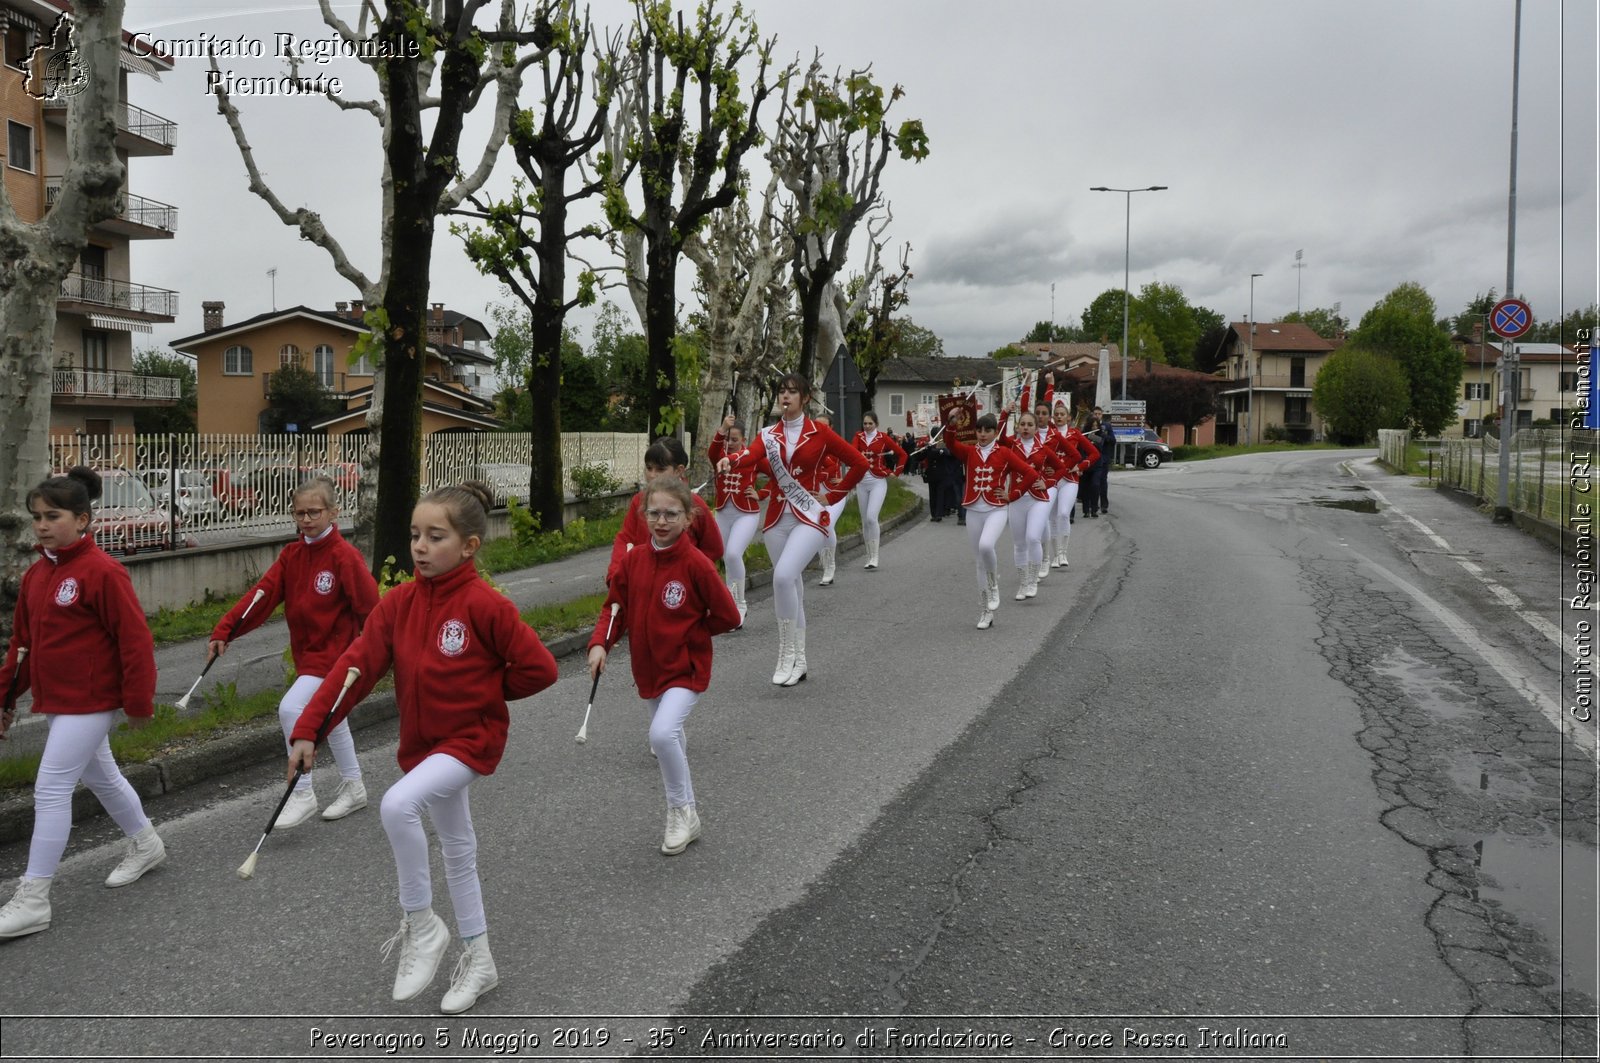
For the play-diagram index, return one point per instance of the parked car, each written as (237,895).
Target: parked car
(344,474)
(127,517)
(1151,451)
(234,492)
(196,499)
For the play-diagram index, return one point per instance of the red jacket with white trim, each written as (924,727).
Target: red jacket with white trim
(732,485)
(877,451)
(459,651)
(996,479)
(327,594)
(806,464)
(1045,461)
(89,645)
(673,602)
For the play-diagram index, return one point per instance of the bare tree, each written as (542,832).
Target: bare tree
(874,334)
(832,142)
(548,144)
(411,47)
(35,257)
(681,114)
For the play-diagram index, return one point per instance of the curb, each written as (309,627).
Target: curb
(262,741)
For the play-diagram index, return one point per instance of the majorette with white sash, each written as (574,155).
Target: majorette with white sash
(791,453)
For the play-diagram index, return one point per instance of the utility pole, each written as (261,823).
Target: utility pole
(1511,370)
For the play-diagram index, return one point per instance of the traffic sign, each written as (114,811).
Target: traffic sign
(1510,318)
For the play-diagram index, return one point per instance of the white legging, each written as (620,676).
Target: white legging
(78,747)
(438,784)
(1066,498)
(1028,516)
(984,527)
(791,543)
(833,522)
(669,711)
(340,742)
(738,529)
(870,493)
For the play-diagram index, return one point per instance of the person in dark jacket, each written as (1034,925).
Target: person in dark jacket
(1096,481)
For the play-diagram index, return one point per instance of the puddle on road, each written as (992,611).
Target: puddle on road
(1487,774)
(1354,505)
(1551,888)
(1424,684)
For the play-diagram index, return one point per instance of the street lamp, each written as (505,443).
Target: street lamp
(1127,220)
(1250,365)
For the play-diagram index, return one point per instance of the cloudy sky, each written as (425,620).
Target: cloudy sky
(1374,135)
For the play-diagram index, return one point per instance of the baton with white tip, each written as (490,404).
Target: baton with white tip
(183,702)
(583,731)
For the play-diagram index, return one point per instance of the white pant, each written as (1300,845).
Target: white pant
(791,544)
(984,527)
(1066,498)
(833,522)
(670,711)
(78,747)
(738,529)
(1028,517)
(340,741)
(439,785)
(870,493)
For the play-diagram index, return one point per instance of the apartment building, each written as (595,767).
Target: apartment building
(103,305)
(1270,369)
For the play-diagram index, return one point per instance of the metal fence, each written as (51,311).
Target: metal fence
(1550,468)
(213,488)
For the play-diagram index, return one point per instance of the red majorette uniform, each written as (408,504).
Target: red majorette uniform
(832,476)
(874,486)
(703,532)
(327,593)
(995,476)
(738,516)
(792,453)
(1030,512)
(89,654)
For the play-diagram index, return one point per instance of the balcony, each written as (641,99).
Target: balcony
(139,132)
(97,386)
(137,218)
(335,387)
(86,295)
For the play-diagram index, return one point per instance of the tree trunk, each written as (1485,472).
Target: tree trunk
(660,326)
(810,292)
(546,491)
(28,309)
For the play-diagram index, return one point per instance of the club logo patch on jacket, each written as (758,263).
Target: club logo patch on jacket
(453,638)
(672,594)
(67,593)
(324,582)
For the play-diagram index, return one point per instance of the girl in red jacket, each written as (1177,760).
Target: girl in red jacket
(459,651)
(327,593)
(791,452)
(876,446)
(832,475)
(738,507)
(672,603)
(89,654)
(1029,513)
(1067,496)
(666,455)
(995,475)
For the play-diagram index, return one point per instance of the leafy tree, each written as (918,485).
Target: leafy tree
(1326,322)
(180,418)
(1165,310)
(1145,344)
(1172,398)
(1208,349)
(1000,354)
(1053,332)
(622,357)
(914,341)
(1568,329)
(1403,326)
(1359,391)
(1476,313)
(297,398)
(1102,319)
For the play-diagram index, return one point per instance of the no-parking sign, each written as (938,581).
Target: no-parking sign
(1510,318)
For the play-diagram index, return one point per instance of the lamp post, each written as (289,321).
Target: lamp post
(1250,365)
(1127,232)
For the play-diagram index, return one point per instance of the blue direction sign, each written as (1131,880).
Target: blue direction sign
(1510,318)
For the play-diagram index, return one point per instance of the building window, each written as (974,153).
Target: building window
(96,351)
(237,361)
(1472,428)
(288,355)
(19,146)
(361,366)
(1477,392)
(1569,382)
(897,404)
(322,364)
(19,45)
(929,399)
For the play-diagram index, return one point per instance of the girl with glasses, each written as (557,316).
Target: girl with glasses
(327,594)
(665,457)
(791,452)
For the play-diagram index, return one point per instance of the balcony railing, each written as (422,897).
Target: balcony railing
(136,121)
(113,384)
(137,210)
(105,291)
(336,387)
(1286,380)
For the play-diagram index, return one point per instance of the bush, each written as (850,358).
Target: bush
(1276,433)
(593,480)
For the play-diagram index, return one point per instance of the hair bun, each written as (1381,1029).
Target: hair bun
(88,478)
(481,491)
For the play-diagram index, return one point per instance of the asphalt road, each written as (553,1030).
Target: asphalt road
(1282,751)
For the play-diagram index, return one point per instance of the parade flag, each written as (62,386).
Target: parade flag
(960,414)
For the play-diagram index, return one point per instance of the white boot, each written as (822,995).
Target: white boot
(1030,577)
(301,806)
(872,553)
(798,673)
(736,588)
(992,598)
(780,675)
(351,796)
(422,938)
(683,827)
(28,910)
(145,850)
(1042,569)
(474,976)
(1065,540)
(986,616)
(1022,583)
(828,553)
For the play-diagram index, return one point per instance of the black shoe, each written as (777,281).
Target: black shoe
(936,520)
(961,522)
